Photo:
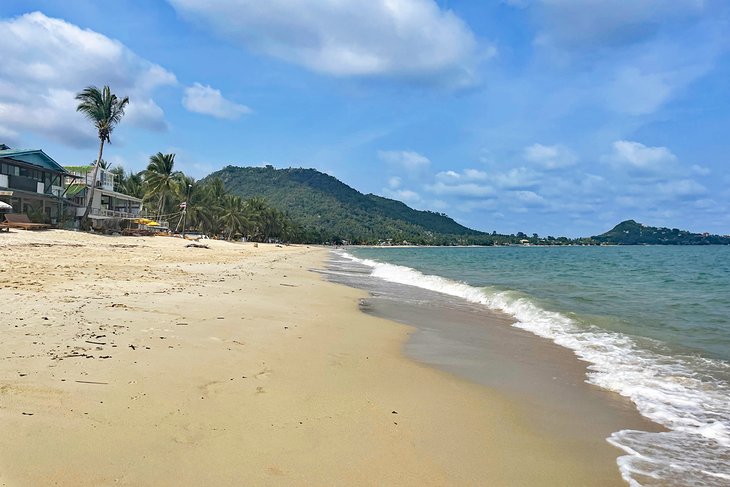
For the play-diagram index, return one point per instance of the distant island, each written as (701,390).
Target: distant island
(630,232)
(329,211)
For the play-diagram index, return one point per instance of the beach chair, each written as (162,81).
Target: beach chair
(21,220)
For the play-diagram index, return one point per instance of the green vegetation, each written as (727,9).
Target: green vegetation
(327,210)
(210,208)
(630,232)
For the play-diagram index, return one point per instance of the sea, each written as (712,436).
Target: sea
(652,322)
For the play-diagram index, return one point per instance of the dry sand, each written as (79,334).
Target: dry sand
(138,361)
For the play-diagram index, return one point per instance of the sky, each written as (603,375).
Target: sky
(556,117)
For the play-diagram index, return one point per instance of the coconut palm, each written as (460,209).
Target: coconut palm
(161,178)
(105,111)
(217,189)
(132,185)
(201,208)
(232,215)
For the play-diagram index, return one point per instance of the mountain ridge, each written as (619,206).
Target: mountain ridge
(331,210)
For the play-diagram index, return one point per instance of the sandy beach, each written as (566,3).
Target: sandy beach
(138,361)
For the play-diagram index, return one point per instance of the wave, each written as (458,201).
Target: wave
(679,392)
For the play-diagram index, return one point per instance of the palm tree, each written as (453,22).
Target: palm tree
(161,179)
(132,185)
(200,208)
(232,215)
(105,111)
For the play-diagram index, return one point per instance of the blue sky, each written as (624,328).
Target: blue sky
(561,117)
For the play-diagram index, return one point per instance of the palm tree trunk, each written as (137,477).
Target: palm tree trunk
(85,218)
(162,205)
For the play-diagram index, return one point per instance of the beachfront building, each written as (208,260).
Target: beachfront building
(108,203)
(32,183)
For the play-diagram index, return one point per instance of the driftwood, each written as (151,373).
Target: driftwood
(197,246)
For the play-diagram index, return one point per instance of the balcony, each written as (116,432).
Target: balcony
(104,178)
(104,213)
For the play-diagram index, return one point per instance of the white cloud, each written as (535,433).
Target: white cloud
(404,195)
(470,190)
(46,61)
(474,183)
(404,38)
(409,160)
(680,188)
(700,170)
(209,101)
(466,175)
(639,156)
(394,182)
(516,178)
(529,198)
(550,156)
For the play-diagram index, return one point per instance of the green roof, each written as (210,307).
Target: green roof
(34,157)
(79,169)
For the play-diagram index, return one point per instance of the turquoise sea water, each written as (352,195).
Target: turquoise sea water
(653,322)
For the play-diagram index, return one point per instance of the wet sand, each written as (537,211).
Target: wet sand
(546,382)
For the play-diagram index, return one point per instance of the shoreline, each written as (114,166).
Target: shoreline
(480,345)
(142,362)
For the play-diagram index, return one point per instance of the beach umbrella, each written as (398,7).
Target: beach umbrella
(5,206)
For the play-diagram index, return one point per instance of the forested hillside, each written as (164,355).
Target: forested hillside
(329,210)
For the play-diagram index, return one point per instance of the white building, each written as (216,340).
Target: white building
(107,203)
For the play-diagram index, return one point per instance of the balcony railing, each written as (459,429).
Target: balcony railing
(110,213)
(104,179)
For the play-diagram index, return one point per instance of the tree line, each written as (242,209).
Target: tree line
(211,209)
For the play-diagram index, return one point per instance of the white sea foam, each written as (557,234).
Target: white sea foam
(674,391)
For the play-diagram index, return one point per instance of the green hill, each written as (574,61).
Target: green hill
(630,232)
(329,210)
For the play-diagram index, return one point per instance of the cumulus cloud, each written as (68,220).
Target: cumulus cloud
(550,156)
(46,61)
(466,175)
(474,183)
(681,188)
(404,195)
(470,190)
(636,155)
(406,159)
(209,101)
(529,198)
(517,178)
(407,38)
